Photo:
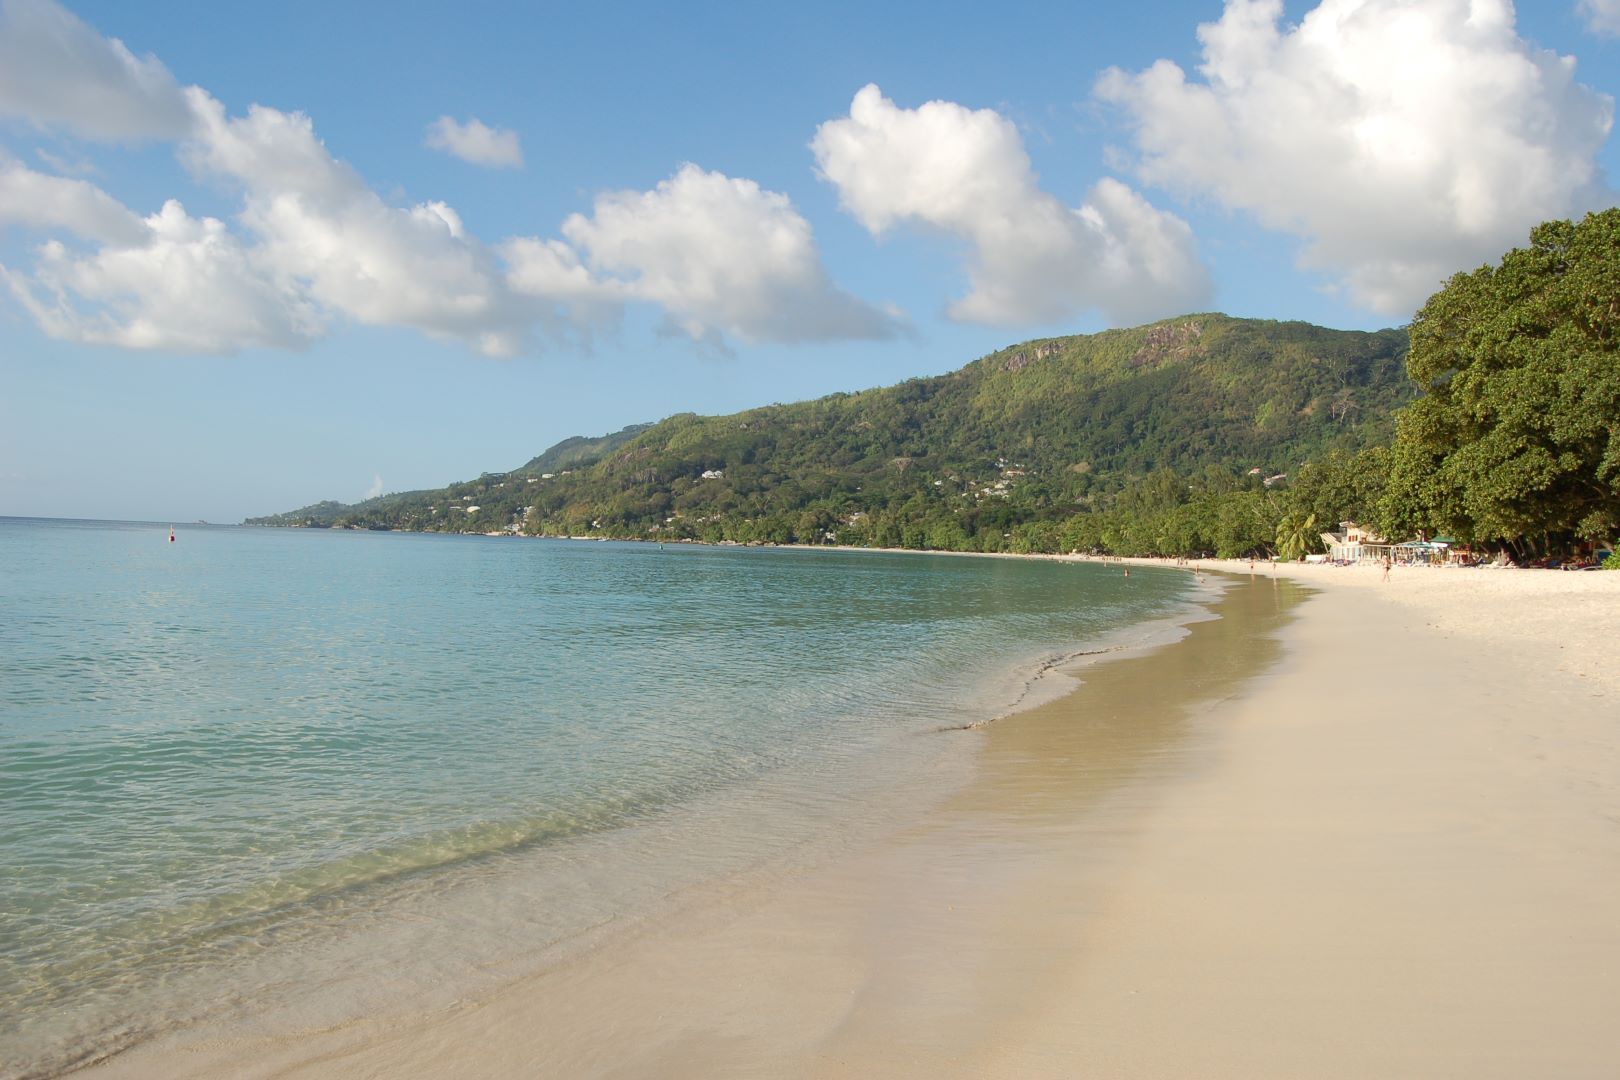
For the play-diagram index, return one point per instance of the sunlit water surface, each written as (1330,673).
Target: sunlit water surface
(275,770)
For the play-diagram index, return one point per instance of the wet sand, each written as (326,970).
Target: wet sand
(1314,838)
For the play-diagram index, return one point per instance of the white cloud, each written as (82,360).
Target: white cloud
(574,300)
(318,243)
(1402,140)
(57,72)
(721,255)
(312,244)
(1602,16)
(321,229)
(476,142)
(189,286)
(42,201)
(965,172)
(551,268)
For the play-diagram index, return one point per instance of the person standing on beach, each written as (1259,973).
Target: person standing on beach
(1386,567)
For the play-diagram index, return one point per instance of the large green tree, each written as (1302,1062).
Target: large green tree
(1341,486)
(1517,436)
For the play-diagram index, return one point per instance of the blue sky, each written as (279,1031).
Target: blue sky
(255,257)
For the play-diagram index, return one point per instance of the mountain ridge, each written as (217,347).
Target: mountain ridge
(1034,431)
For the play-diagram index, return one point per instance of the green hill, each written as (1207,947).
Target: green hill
(579,449)
(1034,432)
(402,510)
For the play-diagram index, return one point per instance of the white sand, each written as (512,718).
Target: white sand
(1404,862)
(1569,620)
(1394,853)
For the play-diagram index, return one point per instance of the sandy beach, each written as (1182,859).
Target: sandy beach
(1348,828)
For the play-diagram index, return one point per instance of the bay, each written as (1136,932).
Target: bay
(245,769)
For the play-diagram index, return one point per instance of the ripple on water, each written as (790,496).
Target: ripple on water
(215,756)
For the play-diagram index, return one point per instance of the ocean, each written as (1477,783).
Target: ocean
(285,776)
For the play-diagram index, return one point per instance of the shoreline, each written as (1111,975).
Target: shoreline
(1386,849)
(539,889)
(1038,680)
(1402,865)
(1563,620)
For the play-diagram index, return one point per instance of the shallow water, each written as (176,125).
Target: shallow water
(219,754)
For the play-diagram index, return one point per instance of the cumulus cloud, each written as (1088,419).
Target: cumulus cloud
(1032,259)
(42,201)
(476,142)
(187,285)
(322,229)
(314,242)
(1401,140)
(1602,16)
(721,255)
(56,71)
(549,271)
(313,245)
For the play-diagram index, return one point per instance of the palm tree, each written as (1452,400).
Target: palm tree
(1295,534)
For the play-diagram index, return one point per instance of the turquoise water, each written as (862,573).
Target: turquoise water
(219,754)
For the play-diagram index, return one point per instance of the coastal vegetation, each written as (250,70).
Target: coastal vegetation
(1516,438)
(1495,419)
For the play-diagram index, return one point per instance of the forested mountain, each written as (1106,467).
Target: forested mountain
(579,449)
(395,509)
(1031,434)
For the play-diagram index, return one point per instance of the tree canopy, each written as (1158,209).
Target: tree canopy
(1516,438)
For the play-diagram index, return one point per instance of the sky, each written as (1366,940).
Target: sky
(256,256)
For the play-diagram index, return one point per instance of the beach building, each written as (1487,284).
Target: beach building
(1436,552)
(1354,543)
